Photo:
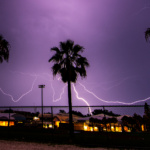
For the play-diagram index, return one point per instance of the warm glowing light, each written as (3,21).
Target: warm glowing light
(126,129)
(143,127)
(5,123)
(85,128)
(57,123)
(118,129)
(91,128)
(112,128)
(36,118)
(50,126)
(95,128)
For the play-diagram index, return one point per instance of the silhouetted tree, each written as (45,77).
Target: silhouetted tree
(146,116)
(62,111)
(77,113)
(69,63)
(147,34)
(4,49)
(8,111)
(146,109)
(130,122)
(106,112)
(138,122)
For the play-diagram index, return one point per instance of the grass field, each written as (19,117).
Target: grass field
(82,139)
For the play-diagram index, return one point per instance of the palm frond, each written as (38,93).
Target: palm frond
(4,49)
(77,49)
(64,76)
(63,47)
(69,44)
(56,58)
(1,59)
(56,68)
(56,49)
(82,61)
(147,34)
(81,71)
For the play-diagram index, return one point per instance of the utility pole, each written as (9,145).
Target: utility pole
(42,86)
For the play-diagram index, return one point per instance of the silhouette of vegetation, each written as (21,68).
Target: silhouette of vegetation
(69,63)
(147,34)
(146,116)
(62,111)
(138,122)
(134,123)
(8,111)
(106,112)
(4,49)
(77,113)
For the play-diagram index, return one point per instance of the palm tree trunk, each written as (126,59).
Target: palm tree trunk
(69,98)
(70,109)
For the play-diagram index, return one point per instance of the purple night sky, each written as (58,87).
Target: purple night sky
(111,31)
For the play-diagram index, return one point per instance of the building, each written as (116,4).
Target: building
(11,119)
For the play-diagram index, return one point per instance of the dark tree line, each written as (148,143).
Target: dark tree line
(104,111)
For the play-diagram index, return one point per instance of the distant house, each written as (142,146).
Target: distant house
(11,119)
(47,120)
(97,123)
(102,122)
(60,120)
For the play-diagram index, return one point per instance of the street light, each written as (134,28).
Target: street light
(42,86)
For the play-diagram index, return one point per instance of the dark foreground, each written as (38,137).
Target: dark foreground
(82,139)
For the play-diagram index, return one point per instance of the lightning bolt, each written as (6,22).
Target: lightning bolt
(26,93)
(119,102)
(80,98)
(115,83)
(32,86)
(58,99)
(63,90)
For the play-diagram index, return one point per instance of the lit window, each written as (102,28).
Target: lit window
(95,128)
(85,128)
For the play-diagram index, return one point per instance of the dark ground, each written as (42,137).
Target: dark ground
(140,140)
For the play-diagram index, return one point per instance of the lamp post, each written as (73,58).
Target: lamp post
(42,86)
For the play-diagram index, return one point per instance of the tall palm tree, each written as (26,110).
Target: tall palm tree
(4,49)
(147,34)
(69,63)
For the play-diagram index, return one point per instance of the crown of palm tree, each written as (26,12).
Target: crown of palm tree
(4,49)
(68,62)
